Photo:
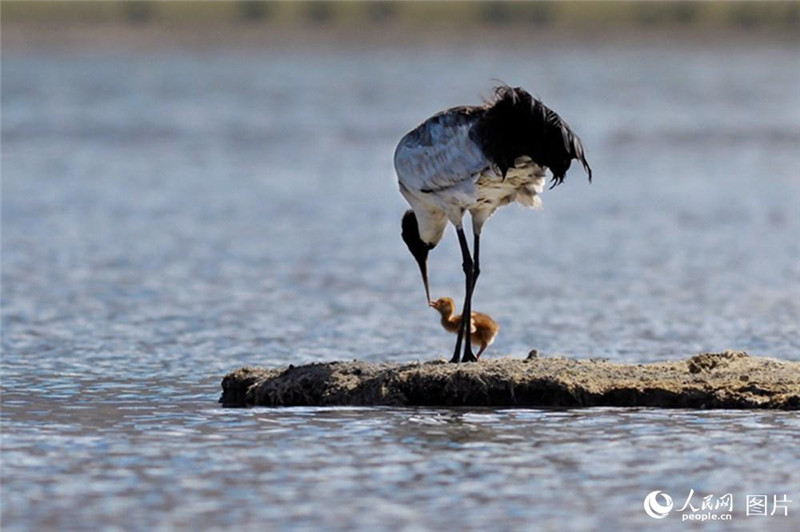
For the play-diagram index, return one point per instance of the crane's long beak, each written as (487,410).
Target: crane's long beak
(422,261)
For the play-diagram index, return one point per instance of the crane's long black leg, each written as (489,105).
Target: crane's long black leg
(476,270)
(466,313)
(457,352)
(467,265)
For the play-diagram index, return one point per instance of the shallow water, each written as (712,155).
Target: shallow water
(167,218)
(190,465)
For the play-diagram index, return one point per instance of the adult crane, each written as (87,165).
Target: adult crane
(475,159)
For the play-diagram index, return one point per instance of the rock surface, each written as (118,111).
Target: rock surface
(731,379)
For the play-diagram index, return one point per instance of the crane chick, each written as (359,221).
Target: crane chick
(483,328)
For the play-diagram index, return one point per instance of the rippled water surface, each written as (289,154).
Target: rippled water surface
(169,217)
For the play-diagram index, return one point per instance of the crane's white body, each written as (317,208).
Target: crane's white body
(476,159)
(444,173)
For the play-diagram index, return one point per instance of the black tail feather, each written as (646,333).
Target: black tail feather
(516,124)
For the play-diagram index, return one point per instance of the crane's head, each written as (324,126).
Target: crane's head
(418,248)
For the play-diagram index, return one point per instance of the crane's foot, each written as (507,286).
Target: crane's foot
(469,357)
(456,359)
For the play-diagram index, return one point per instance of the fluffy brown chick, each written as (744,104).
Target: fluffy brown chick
(483,328)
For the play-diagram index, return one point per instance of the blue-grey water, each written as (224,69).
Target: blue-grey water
(169,216)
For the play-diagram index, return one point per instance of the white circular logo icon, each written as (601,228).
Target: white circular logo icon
(655,509)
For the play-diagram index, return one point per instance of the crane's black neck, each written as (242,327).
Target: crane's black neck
(410,233)
(418,248)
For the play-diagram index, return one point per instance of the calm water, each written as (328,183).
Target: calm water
(167,218)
